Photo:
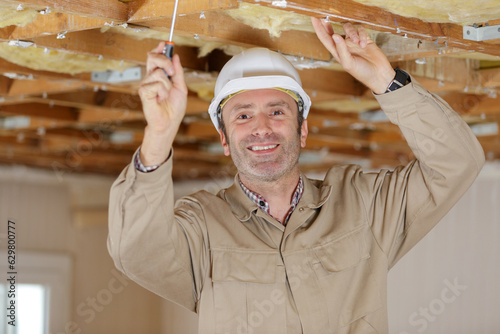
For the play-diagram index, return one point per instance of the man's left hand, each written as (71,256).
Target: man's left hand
(358,54)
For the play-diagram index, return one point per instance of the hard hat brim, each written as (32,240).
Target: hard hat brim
(254,83)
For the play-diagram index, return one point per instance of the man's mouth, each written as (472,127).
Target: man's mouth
(262,148)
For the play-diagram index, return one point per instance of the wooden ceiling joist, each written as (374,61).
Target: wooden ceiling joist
(146,10)
(55,24)
(109,10)
(75,122)
(41,110)
(445,34)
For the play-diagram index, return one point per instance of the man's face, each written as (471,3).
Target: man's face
(262,134)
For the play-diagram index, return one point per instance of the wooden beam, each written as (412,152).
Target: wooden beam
(56,23)
(115,46)
(337,82)
(151,9)
(8,67)
(489,77)
(217,27)
(5,84)
(6,32)
(375,18)
(486,106)
(109,10)
(93,116)
(41,111)
(107,101)
(40,86)
(458,72)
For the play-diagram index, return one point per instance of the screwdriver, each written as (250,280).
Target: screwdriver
(168,50)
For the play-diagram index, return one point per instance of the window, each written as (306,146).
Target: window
(42,293)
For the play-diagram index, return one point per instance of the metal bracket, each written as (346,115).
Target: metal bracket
(481,33)
(130,74)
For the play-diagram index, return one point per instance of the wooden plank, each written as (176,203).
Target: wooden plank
(82,78)
(5,84)
(116,46)
(153,9)
(40,86)
(486,105)
(337,82)
(217,27)
(110,10)
(446,34)
(87,116)
(8,67)
(41,111)
(104,101)
(6,32)
(56,23)
(457,73)
(489,77)
(463,103)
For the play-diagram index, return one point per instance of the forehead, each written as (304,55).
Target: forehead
(260,97)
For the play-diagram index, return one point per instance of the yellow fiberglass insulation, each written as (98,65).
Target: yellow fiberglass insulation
(462,12)
(12,14)
(56,61)
(204,47)
(274,20)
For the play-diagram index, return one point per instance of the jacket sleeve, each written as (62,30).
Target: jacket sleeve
(159,246)
(405,204)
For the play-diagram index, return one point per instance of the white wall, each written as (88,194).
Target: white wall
(42,206)
(449,283)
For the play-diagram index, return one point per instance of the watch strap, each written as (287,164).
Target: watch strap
(400,80)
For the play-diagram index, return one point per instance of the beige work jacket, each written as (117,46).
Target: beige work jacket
(326,271)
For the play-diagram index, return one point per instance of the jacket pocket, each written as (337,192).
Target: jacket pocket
(344,253)
(244,266)
(345,277)
(247,297)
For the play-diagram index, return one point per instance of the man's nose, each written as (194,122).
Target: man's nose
(262,125)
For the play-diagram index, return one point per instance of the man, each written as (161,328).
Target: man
(277,252)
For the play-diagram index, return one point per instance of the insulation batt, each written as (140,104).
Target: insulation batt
(55,61)
(463,12)
(9,15)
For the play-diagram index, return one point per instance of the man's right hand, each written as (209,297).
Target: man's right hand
(164,103)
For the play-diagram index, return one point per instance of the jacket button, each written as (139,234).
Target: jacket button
(301,209)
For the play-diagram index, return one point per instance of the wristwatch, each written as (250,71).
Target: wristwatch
(400,80)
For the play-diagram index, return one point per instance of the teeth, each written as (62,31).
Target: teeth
(262,148)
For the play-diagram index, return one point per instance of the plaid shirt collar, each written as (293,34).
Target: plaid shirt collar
(264,205)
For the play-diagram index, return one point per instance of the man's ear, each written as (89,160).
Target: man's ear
(303,134)
(224,143)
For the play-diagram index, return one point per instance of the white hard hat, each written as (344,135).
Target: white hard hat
(257,68)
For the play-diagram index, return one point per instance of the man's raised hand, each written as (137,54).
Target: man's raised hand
(163,94)
(357,54)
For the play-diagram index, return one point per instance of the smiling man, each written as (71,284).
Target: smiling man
(278,252)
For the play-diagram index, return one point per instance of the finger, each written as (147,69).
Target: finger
(159,48)
(324,31)
(158,60)
(177,75)
(344,56)
(162,84)
(364,37)
(351,33)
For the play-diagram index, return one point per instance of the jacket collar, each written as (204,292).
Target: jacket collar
(314,196)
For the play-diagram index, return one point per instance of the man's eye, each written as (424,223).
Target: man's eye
(243,116)
(277,112)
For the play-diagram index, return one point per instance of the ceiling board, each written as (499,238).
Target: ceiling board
(78,126)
